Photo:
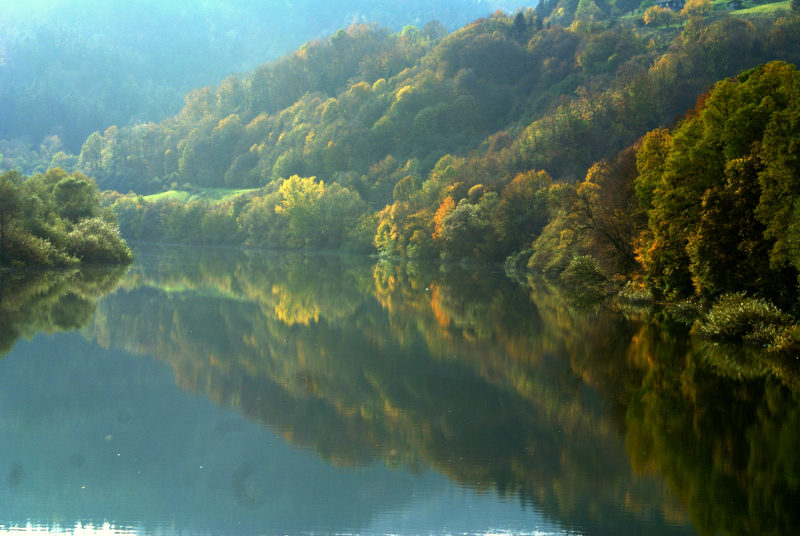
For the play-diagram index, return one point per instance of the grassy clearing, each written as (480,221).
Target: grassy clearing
(210,195)
(766,9)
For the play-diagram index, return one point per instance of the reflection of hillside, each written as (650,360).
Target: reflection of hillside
(462,372)
(50,301)
(728,447)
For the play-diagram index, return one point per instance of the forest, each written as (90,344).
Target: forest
(600,142)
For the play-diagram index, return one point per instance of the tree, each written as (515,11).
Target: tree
(721,190)
(659,16)
(588,11)
(697,8)
(300,205)
(464,230)
(522,212)
(91,154)
(10,207)
(76,197)
(605,210)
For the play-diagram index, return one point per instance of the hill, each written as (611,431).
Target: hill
(70,67)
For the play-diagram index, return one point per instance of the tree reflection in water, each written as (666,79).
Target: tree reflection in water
(52,300)
(499,384)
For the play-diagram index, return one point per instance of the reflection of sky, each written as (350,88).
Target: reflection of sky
(460,511)
(92,439)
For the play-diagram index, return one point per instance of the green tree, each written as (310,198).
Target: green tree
(76,197)
(91,154)
(523,210)
(10,208)
(720,189)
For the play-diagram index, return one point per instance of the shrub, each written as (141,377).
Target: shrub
(94,240)
(635,292)
(583,278)
(735,317)
(24,249)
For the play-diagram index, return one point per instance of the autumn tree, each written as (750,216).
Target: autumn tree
(659,16)
(694,8)
(605,210)
(720,190)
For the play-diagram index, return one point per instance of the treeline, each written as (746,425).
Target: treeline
(518,94)
(465,145)
(287,214)
(55,219)
(705,208)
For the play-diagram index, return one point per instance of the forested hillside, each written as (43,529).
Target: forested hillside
(515,138)
(70,67)
(467,139)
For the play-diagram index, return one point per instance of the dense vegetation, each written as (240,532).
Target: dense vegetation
(517,138)
(464,145)
(55,219)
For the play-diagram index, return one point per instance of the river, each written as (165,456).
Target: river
(223,391)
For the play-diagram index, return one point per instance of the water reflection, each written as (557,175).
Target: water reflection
(52,300)
(499,387)
(382,376)
(726,441)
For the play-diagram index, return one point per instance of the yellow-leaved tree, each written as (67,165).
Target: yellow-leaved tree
(695,8)
(300,205)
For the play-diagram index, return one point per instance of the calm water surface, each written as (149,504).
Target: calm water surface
(215,391)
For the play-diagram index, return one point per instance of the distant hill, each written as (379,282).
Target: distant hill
(70,67)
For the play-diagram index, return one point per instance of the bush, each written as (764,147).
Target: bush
(94,240)
(24,249)
(735,317)
(635,292)
(583,278)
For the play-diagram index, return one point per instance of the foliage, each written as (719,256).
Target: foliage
(736,317)
(694,8)
(295,213)
(72,69)
(583,278)
(55,220)
(720,190)
(393,124)
(659,16)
